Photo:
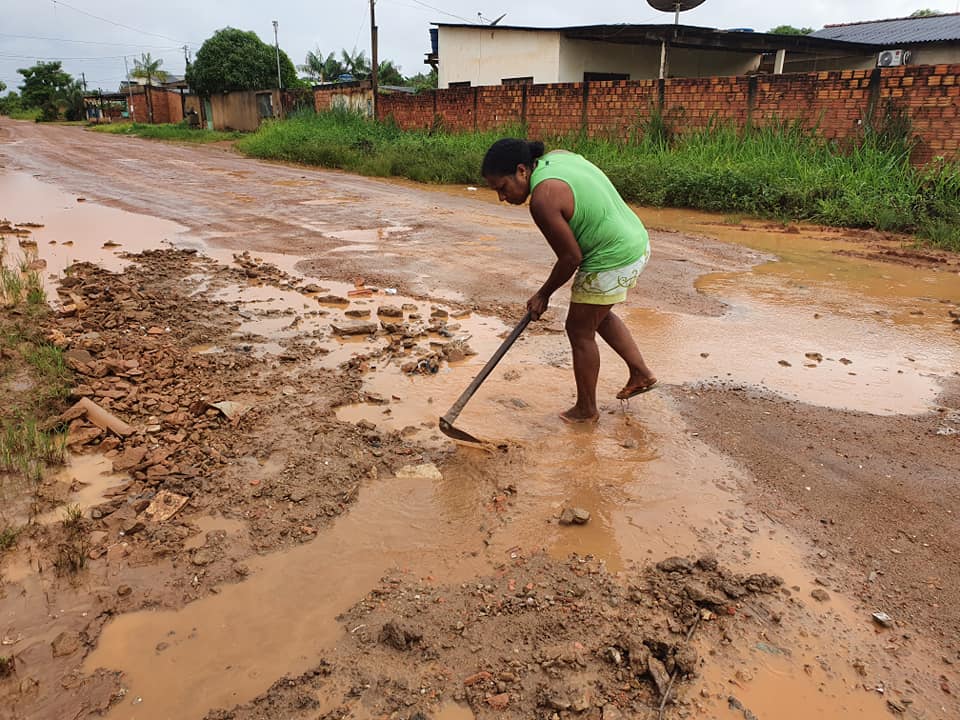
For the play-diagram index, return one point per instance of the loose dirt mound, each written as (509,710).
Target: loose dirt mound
(539,639)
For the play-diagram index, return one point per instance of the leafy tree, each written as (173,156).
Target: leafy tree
(70,100)
(423,81)
(389,74)
(321,69)
(238,60)
(924,13)
(3,86)
(790,30)
(43,86)
(148,69)
(10,104)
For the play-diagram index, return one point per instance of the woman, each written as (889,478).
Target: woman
(595,235)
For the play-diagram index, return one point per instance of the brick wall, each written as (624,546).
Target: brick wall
(835,102)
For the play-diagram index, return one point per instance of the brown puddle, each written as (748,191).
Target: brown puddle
(77,231)
(93,477)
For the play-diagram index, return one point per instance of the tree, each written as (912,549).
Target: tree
(356,64)
(423,81)
(238,60)
(43,86)
(10,103)
(70,100)
(924,13)
(790,30)
(149,69)
(3,86)
(389,74)
(321,69)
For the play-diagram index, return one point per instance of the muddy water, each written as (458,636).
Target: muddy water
(75,230)
(651,487)
(92,477)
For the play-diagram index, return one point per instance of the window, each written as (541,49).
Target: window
(464,84)
(265,105)
(528,80)
(594,77)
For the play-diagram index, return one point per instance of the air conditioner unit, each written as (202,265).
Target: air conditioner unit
(893,58)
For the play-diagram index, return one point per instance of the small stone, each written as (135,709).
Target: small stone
(389,311)
(882,619)
(820,595)
(784,363)
(124,590)
(479,677)
(659,674)
(202,557)
(499,702)
(66,643)
(675,564)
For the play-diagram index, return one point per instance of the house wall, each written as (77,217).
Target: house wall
(167,107)
(836,103)
(239,111)
(487,57)
(642,62)
(358,98)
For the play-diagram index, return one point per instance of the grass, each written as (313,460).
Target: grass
(72,516)
(32,114)
(173,132)
(8,538)
(785,171)
(6,665)
(27,449)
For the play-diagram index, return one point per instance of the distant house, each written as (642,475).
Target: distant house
(493,55)
(933,40)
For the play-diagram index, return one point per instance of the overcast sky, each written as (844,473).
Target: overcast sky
(34,30)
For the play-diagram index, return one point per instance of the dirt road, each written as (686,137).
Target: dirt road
(807,428)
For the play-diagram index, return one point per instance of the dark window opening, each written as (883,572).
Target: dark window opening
(528,80)
(596,77)
(465,83)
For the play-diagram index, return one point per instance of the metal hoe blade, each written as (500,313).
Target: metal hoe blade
(451,432)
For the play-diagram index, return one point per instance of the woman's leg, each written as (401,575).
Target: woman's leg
(616,334)
(582,323)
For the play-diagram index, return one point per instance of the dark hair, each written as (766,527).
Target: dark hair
(504,155)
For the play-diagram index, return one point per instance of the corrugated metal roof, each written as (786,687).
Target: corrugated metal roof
(938,28)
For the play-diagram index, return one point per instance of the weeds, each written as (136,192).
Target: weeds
(71,555)
(26,449)
(11,285)
(8,538)
(785,171)
(72,517)
(175,132)
(6,665)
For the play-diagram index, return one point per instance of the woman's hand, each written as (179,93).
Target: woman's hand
(537,305)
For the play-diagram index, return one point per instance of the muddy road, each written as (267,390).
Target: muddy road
(284,533)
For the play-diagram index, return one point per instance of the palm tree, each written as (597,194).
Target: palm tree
(320,68)
(356,64)
(389,74)
(149,69)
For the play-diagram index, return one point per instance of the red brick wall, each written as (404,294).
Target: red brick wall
(836,103)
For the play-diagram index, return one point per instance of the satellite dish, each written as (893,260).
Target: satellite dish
(674,6)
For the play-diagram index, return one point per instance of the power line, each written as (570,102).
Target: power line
(59,57)
(444,12)
(57,3)
(85,42)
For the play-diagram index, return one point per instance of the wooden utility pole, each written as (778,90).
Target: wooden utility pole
(375,62)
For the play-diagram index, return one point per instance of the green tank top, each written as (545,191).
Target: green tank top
(609,233)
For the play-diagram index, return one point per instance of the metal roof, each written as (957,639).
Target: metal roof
(687,36)
(902,31)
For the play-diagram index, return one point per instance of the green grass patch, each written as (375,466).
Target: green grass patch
(173,132)
(8,538)
(26,449)
(786,171)
(32,114)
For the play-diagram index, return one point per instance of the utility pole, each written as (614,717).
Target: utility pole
(276,44)
(133,115)
(375,63)
(186,54)
(84,76)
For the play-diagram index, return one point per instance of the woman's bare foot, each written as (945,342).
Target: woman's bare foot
(636,386)
(575,416)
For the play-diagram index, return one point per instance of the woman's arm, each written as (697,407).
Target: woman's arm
(551,206)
